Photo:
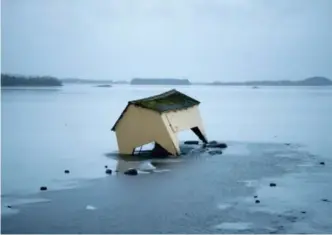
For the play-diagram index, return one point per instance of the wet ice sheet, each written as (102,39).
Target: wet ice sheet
(8,211)
(250,183)
(227,184)
(234,226)
(294,190)
(236,149)
(224,206)
(296,202)
(141,166)
(13,202)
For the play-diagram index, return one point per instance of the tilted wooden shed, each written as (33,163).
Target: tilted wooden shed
(158,119)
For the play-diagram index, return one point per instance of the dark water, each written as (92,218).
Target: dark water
(47,131)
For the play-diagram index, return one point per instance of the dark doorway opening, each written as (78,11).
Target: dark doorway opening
(152,149)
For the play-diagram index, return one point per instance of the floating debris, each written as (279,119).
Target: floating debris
(104,85)
(215,144)
(196,142)
(108,171)
(131,172)
(273,184)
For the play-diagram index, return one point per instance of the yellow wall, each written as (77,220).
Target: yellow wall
(141,126)
(184,119)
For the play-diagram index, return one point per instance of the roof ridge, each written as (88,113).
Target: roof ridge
(155,96)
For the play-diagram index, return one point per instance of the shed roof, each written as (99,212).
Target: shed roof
(168,101)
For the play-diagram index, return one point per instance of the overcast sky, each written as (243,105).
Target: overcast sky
(202,40)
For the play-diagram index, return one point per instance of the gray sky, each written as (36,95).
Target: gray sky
(202,40)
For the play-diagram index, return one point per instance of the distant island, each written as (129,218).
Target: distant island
(85,81)
(312,81)
(159,81)
(8,80)
(104,85)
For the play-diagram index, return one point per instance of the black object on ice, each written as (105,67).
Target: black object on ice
(43,188)
(106,166)
(273,184)
(257,201)
(325,200)
(104,85)
(196,142)
(131,172)
(67,171)
(322,163)
(108,171)
(215,144)
(255,196)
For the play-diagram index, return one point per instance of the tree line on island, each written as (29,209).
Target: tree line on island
(20,80)
(8,80)
(159,81)
(312,81)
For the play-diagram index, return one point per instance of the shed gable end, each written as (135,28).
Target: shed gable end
(141,126)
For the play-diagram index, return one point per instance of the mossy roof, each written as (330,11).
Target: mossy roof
(167,101)
(171,100)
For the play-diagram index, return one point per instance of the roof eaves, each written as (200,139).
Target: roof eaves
(155,96)
(120,117)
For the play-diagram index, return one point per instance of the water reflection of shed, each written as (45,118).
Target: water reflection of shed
(157,119)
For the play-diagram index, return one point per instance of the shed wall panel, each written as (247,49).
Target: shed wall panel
(185,119)
(140,126)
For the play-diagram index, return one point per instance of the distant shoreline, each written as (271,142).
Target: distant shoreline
(312,81)
(47,81)
(159,81)
(8,80)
